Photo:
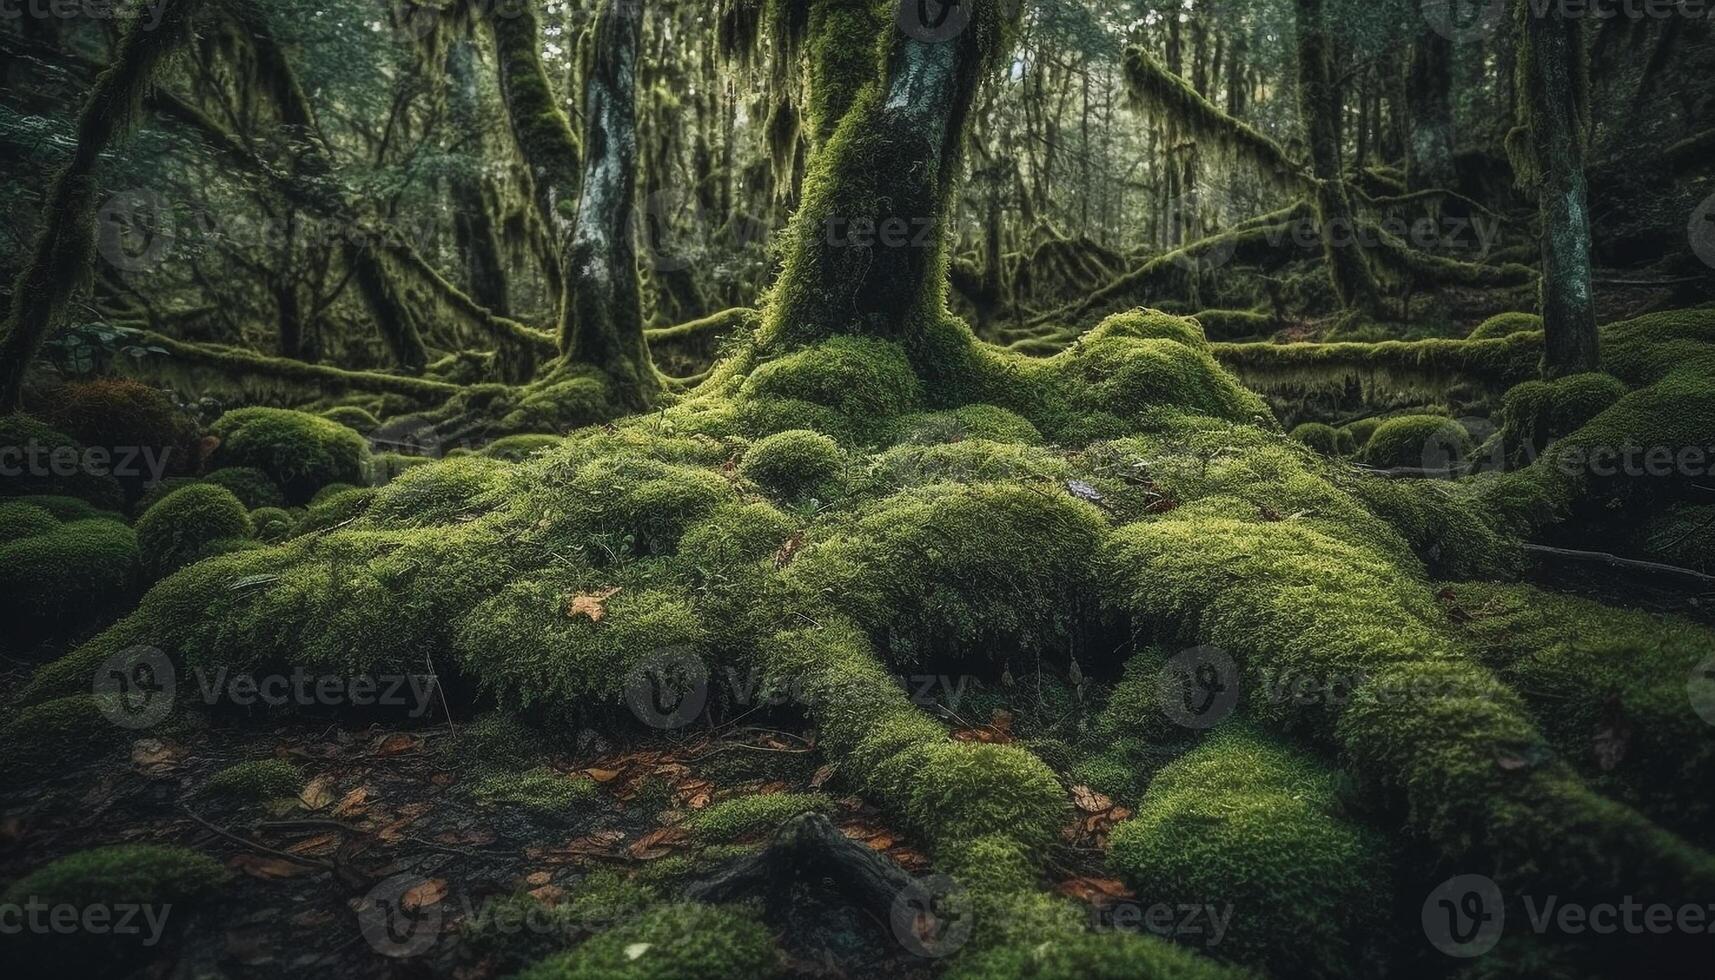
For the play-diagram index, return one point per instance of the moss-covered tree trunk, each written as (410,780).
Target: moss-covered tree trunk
(1429,89)
(601,315)
(1553,91)
(62,254)
(1354,282)
(473,222)
(866,253)
(542,135)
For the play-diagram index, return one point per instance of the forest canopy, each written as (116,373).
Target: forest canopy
(751,488)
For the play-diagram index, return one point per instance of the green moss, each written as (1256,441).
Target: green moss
(50,463)
(335,510)
(794,464)
(254,781)
(1445,525)
(300,452)
(1362,429)
(1397,365)
(272,523)
(24,520)
(451,490)
(67,508)
(678,941)
(250,485)
(359,420)
(50,737)
(518,447)
(1418,441)
(988,422)
(73,577)
(961,791)
(750,816)
(144,874)
(155,491)
(1323,438)
(1243,823)
(499,738)
(735,534)
(541,792)
(179,529)
(954,567)
(1609,686)
(643,504)
(1505,325)
(1105,956)
(331,491)
(1537,413)
(849,387)
(383,467)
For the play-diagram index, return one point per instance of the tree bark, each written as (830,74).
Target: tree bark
(1354,282)
(62,255)
(601,316)
(1553,94)
(1429,93)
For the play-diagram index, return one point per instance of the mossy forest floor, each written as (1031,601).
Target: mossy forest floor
(1095,666)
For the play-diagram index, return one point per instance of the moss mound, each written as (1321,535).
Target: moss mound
(752,816)
(1536,413)
(1325,439)
(1505,325)
(356,418)
(272,524)
(183,526)
(63,578)
(1430,442)
(19,519)
(251,486)
(254,781)
(44,738)
(1243,823)
(540,791)
(794,464)
(670,942)
(300,452)
(42,461)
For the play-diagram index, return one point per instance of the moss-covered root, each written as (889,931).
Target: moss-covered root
(1244,825)
(1611,689)
(679,941)
(1425,723)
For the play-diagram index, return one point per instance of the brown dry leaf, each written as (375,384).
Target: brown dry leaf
(423,895)
(1095,891)
(548,894)
(592,604)
(354,803)
(443,779)
(317,793)
(909,858)
(315,846)
(603,775)
(269,868)
(536,879)
(821,777)
(1090,801)
(396,743)
(656,843)
(789,550)
(154,756)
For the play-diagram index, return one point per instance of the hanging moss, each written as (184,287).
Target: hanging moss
(1398,365)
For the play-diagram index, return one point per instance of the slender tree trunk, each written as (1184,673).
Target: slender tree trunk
(473,222)
(1354,283)
(601,317)
(1429,94)
(60,263)
(1553,90)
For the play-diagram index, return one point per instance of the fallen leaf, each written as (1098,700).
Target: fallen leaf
(822,776)
(789,550)
(603,775)
(154,756)
(317,793)
(1095,891)
(548,894)
(316,846)
(269,868)
(396,743)
(1090,801)
(539,878)
(353,803)
(423,894)
(592,604)
(656,843)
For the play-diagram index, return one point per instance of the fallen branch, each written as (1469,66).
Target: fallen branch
(234,361)
(1615,561)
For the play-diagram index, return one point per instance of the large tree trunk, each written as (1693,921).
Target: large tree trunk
(1429,92)
(601,317)
(1354,283)
(1553,103)
(866,254)
(63,251)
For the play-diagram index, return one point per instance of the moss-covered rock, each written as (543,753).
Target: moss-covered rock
(64,579)
(1244,824)
(1430,442)
(39,460)
(300,452)
(354,417)
(251,486)
(679,941)
(181,528)
(272,524)
(254,781)
(852,388)
(52,736)
(794,464)
(1536,413)
(20,519)
(1324,438)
